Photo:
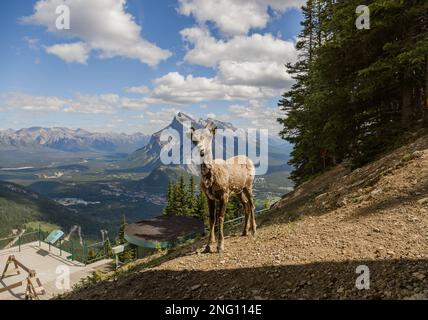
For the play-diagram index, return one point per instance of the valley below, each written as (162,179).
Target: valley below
(105,184)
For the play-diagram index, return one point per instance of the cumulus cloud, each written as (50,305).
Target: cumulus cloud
(258,74)
(234,17)
(101,25)
(70,52)
(139,90)
(208,51)
(175,88)
(245,67)
(257,115)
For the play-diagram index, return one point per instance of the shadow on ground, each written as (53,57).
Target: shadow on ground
(389,279)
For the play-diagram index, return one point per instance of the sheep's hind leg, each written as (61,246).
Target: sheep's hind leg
(245,206)
(221,213)
(252,208)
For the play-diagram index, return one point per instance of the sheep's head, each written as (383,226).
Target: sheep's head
(202,138)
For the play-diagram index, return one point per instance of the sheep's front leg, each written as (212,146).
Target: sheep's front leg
(211,208)
(221,213)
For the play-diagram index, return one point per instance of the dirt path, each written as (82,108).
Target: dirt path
(310,244)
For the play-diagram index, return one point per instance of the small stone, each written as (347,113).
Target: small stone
(340,290)
(419,275)
(376,192)
(195,287)
(423,201)
(379,250)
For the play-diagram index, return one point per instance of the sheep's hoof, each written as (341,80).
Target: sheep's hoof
(220,248)
(209,249)
(245,233)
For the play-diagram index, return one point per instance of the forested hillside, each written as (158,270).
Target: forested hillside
(19,206)
(357,90)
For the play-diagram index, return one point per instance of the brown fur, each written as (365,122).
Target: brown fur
(222,179)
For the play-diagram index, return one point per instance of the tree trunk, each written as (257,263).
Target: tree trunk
(426,84)
(406,104)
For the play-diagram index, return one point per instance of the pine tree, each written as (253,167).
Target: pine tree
(233,209)
(169,208)
(121,234)
(266,204)
(176,199)
(130,252)
(201,211)
(191,196)
(108,249)
(356,91)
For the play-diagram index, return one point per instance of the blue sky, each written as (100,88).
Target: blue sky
(128,66)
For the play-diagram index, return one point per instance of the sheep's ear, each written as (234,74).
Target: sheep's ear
(212,127)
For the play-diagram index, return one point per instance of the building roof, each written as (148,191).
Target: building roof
(162,231)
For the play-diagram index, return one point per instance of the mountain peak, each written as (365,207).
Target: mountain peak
(182,117)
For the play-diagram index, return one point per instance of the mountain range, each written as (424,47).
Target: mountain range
(69,140)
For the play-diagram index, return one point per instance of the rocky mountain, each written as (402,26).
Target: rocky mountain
(70,140)
(148,157)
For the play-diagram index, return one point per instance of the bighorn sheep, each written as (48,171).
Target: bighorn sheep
(219,180)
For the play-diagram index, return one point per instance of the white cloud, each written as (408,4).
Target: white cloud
(247,67)
(258,74)
(70,52)
(159,119)
(103,25)
(94,104)
(139,90)
(175,88)
(256,60)
(32,43)
(257,115)
(233,17)
(28,102)
(209,52)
